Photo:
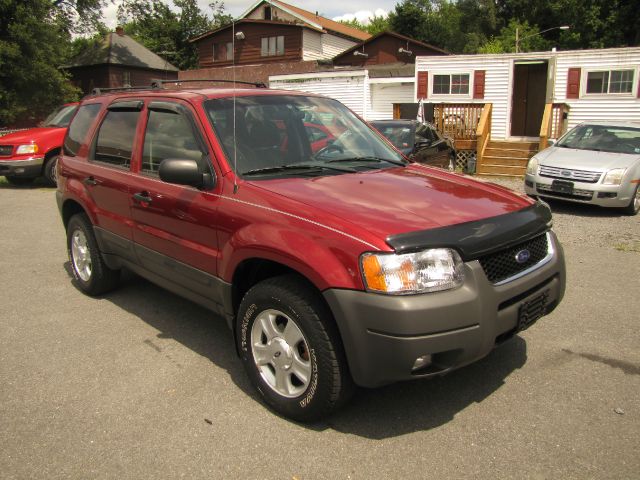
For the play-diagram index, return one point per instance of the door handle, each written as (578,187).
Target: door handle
(142,197)
(90,181)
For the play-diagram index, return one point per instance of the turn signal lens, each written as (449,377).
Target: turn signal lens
(427,271)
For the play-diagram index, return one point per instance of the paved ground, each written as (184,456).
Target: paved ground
(143,384)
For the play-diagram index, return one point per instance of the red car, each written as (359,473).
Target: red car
(335,267)
(28,154)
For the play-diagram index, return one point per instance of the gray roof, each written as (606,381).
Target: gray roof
(116,49)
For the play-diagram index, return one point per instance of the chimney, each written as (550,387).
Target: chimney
(120,31)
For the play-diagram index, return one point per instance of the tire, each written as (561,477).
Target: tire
(291,349)
(91,274)
(49,171)
(20,181)
(634,204)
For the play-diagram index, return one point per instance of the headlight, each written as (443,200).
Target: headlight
(532,166)
(24,149)
(427,271)
(614,177)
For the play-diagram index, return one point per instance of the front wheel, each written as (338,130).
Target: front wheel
(291,349)
(634,204)
(49,171)
(90,272)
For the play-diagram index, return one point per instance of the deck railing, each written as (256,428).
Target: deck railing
(458,120)
(554,123)
(483,132)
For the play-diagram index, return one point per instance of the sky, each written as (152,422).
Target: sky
(334,9)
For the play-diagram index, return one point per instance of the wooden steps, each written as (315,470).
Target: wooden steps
(508,158)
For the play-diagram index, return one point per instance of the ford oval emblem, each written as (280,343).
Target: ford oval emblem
(523,255)
(565,173)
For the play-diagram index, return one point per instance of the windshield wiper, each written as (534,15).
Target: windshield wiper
(366,159)
(300,166)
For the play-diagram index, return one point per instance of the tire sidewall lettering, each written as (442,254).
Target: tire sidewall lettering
(313,386)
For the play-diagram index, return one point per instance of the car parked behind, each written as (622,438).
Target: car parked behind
(596,163)
(28,154)
(420,142)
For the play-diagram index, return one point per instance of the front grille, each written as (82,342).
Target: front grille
(503,265)
(569,174)
(6,150)
(576,194)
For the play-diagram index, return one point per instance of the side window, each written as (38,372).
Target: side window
(114,143)
(169,135)
(79,128)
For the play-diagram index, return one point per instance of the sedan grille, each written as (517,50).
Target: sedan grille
(6,150)
(508,263)
(569,174)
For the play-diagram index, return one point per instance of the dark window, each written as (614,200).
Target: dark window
(115,137)
(453,84)
(267,13)
(79,128)
(222,51)
(169,135)
(610,81)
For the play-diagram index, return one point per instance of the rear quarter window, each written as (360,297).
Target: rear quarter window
(79,127)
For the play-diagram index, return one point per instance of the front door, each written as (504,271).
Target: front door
(528,98)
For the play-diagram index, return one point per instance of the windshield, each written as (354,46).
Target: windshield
(295,135)
(602,138)
(61,116)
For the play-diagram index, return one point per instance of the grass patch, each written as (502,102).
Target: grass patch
(628,246)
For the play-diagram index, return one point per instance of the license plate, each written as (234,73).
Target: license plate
(562,186)
(532,310)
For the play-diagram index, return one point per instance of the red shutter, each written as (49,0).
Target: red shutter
(478,83)
(423,85)
(573,83)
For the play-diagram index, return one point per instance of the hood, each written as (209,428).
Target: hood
(34,135)
(399,200)
(571,158)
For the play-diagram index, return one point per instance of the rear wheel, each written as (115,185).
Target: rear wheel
(291,349)
(634,204)
(19,181)
(90,272)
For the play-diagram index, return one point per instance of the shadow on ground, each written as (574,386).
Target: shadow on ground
(373,413)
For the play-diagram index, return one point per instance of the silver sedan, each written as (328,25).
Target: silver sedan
(596,163)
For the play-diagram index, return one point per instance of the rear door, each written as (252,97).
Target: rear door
(108,173)
(174,226)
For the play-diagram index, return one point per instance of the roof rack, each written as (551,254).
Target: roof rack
(99,90)
(160,83)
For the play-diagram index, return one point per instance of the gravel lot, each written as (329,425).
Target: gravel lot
(143,384)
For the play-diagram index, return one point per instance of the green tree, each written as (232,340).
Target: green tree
(166,31)
(34,43)
(375,25)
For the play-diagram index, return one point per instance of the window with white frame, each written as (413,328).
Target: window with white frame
(222,51)
(451,84)
(272,46)
(609,81)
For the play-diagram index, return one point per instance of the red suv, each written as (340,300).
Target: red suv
(28,154)
(338,267)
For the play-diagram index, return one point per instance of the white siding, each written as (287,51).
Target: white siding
(604,107)
(498,78)
(499,82)
(312,45)
(333,45)
(348,88)
(384,95)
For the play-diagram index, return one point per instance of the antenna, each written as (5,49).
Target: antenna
(233,68)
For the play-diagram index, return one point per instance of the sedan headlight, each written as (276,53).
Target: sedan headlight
(25,149)
(427,271)
(532,166)
(614,177)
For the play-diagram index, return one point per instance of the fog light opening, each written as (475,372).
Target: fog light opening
(421,362)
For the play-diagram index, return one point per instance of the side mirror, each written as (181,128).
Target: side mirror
(182,172)
(551,142)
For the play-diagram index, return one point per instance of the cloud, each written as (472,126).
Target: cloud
(362,16)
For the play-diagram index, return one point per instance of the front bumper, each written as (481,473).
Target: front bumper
(589,193)
(29,167)
(384,335)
